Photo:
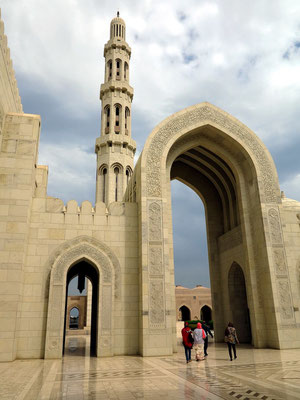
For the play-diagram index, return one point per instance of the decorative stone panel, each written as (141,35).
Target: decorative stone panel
(286,308)
(155,222)
(155,260)
(157,304)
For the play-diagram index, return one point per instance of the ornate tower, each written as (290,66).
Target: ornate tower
(114,148)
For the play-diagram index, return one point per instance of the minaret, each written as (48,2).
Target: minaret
(114,148)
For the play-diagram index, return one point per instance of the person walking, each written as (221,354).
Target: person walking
(199,337)
(207,332)
(231,339)
(187,341)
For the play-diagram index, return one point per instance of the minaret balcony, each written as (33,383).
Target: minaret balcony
(112,138)
(113,85)
(117,44)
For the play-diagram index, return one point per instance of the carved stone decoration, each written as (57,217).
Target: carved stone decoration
(155,221)
(197,116)
(155,260)
(157,306)
(275,228)
(286,307)
(79,252)
(84,246)
(108,267)
(279,260)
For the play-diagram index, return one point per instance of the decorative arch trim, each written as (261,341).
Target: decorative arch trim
(84,247)
(107,264)
(189,119)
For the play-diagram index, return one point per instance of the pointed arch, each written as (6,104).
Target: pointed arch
(106,263)
(234,174)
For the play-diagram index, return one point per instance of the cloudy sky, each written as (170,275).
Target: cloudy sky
(242,56)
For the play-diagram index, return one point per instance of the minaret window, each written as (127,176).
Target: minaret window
(117,118)
(118,69)
(116,172)
(128,174)
(109,64)
(107,118)
(104,173)
(127,116)
(125,71)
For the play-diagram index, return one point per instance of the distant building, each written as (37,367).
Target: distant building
(193,303)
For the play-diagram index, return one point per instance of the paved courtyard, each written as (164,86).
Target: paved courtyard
(256,374)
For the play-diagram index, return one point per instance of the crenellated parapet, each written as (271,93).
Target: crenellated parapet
(73,213)
(10,100)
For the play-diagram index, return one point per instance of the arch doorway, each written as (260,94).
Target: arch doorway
(205,314)
(74,318)
(85,270)
(238,303)
(185,313)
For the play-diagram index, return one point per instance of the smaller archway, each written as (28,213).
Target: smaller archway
(74,318)
(205,313)
(185,313)
(83,269)
(239,303)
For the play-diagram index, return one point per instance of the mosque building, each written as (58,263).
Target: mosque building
(123,244)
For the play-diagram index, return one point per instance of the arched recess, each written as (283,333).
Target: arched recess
(233,173)
(105,262)
(102,182)
(185,313)
(206,313)
(238,303)
(118,176)
(69,317)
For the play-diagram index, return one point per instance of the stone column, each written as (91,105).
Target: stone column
(89,290)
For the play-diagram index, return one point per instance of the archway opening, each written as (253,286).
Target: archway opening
(74,318)
(204,167)
(205,314)
(238,303)
(82,294)
(185,313)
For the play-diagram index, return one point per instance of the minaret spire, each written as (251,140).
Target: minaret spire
(114,148)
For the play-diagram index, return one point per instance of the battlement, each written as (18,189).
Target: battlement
(10,100)
(72,213)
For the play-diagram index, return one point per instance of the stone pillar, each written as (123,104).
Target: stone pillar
(18,158)
(89,290)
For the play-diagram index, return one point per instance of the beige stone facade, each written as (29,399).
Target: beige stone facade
(126,248)
(193,303)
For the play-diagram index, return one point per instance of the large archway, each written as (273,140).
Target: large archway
(233,173)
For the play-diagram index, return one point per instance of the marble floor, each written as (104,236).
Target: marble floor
(255,374)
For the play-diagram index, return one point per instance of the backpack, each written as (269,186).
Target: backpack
(190,337)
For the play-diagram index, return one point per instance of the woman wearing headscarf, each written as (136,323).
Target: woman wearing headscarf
(199,336)
(187,341)
(231,339)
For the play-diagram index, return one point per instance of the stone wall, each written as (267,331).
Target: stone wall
(290,218)
(52,224)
